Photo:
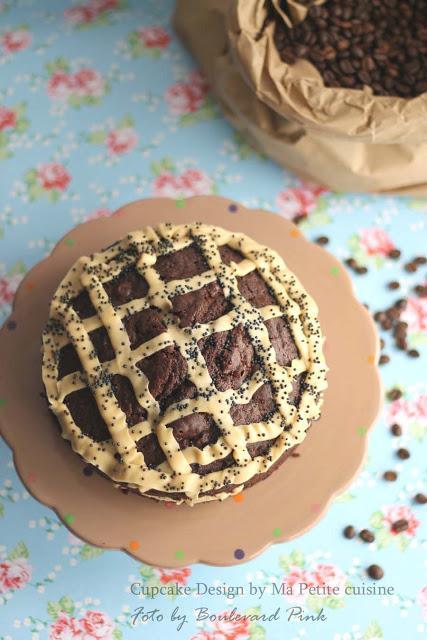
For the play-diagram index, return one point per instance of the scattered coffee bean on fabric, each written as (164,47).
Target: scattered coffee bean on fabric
(413,353)
(403,453)
(396,429)
(393,285)
(394,254)
(384,359)
(420,498)
(349,531)
(375,572)
(366,535)
(410,267)
(390,476)
(361,270)
(322,240)
(394,394)
(400,525)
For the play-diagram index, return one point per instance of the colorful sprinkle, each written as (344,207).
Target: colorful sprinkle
(335,271)
(133,545)
(179,554)
(295,233)
(11,325)
(2,402)
(315,506)
(168,504)
(361,431)
(69,242)
(180,202)
(371,359)
(31,477)
(277,532)
(29,286)
(69,518)
(239,497)
(232,207)
(239,554)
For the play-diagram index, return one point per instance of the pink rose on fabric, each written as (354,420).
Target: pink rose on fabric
(376,242)
(65,627)
(13,41)
(183,98)
(166,185)
(98,213)
(60,85)
(97,625)
(415,314)
(398,512)
(328,575)
(53,175)
(88,82)
(231,629)
(180,576)
(7,118)
(80,15)
(154,37)
(422,599)
(121,140)
(292,581)
(297,201)
(8,287)
(197,79)
(404,411)
(101,6)
(14,574)
(195,183)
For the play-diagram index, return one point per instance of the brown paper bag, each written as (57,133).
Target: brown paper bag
(345,139)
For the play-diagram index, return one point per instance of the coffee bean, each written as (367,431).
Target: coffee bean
(396,429)
(394,394)
(384,359)
(390,476)
(349,532)
(401,343)
(420,260)
(375,572)
(350,262)
(394,254)
(421,290)
(410,267)
(393,285)
(400,525)
(413,353)
(420,498)
(366,535)
(322,240)
(403,453)
(382,343)
(361,270)
(400,304)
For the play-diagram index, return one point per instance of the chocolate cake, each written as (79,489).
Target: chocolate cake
(183,362)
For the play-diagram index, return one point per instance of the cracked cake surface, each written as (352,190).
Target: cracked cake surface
(184,362)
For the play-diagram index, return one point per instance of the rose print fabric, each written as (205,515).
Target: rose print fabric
(100,105)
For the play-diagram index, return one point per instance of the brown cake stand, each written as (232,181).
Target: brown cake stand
(219,533)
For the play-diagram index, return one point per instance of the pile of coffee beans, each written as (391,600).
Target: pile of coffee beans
(378,43)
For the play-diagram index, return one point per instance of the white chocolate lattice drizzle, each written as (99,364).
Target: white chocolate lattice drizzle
(178,476)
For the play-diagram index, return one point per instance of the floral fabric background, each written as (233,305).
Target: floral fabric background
(99,105)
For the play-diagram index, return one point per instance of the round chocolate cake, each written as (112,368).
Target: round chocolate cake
(184,362)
